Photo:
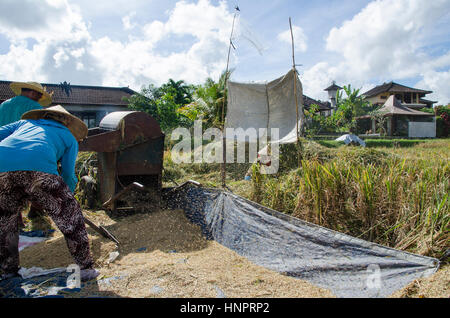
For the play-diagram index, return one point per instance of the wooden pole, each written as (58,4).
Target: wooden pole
(223,169)
(295,92)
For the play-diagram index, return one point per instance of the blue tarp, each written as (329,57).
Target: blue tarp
(41,286)
(348,266)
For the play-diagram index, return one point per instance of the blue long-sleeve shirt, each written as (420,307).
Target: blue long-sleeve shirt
(11,110)
(38,145)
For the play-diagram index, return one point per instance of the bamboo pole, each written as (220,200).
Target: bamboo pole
(295,93)
(222,167)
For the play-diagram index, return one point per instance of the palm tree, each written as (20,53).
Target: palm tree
(182,92)
(209,102)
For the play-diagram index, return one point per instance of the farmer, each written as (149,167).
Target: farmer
(29,152)
(29,96)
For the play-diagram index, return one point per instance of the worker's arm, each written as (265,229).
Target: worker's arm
(68,165)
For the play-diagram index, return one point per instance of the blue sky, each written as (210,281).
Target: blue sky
(137,42)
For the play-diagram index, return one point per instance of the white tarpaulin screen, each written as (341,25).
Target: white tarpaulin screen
(268,105)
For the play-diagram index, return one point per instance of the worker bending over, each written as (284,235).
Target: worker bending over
(29,152)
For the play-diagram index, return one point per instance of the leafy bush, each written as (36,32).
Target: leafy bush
(390,143)
(163,103)
(443,125)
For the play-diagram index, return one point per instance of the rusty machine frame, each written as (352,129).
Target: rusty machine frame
(130,149)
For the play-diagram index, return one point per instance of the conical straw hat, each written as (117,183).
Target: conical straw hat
(76,126)
(45,100)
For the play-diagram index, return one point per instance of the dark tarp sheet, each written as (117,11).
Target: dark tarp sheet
(51,285)
(347,266)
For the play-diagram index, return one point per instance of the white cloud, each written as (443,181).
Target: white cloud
(383,41)
(138,62)
(77,53)
(317,78)
(67,51)
(127,21)
(60,57)
(44,21)
(300,39)
(62,42)
(201,20)
(386,36)
(154,31)
(438,82)
(23,64)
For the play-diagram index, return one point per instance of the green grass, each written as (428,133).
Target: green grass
(330,143)
(390,143)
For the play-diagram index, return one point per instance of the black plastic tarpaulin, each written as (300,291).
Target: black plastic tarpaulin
(348,266)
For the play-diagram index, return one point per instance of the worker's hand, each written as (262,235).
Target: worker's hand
(88,274)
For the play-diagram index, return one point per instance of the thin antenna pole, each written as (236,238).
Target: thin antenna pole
(229,50)
(223,170)
(292,41)
(295,90)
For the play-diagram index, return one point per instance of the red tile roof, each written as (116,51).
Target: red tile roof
(77,94)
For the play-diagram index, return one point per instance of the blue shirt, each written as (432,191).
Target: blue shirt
(11,110)
(37,145)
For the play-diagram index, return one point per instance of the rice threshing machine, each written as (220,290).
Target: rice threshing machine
(130,148)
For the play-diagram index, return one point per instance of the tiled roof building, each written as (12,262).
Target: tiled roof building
(324,107)
(408,96)
(90,103)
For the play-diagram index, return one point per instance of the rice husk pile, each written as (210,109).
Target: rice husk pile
(162,254)
(436,286)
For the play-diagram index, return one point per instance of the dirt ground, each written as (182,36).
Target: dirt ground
(162,254)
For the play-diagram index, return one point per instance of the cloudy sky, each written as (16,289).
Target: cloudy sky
(137,42)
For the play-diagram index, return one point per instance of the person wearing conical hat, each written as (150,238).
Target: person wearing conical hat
(30,96)
(29,152)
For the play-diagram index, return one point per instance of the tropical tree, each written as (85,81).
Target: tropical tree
(350,107)
(162,103)
(182,93)
(442,119)
(209,103)
(145,100)
(316,123)
(380,119)
(356,102)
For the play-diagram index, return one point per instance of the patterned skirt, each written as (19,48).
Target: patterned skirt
(49,193)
